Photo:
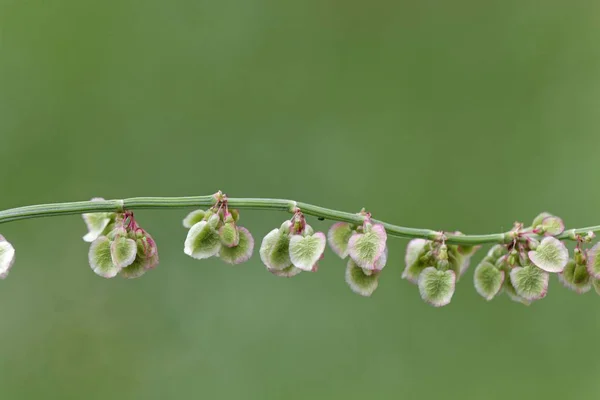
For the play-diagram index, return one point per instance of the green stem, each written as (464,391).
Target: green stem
(139,203)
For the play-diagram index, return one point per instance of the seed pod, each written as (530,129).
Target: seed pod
(235,214)
(494,253)
(437,287)
(202,241)
(98,224)
(305,251)
(530,282)
(147,244)
(513,258)
(100,258)
(575,277)
(532,243)
(488,280)
(275,250)
(213,220)
(551,255)
(146,256)
(123,251)
(193,218)
(416,259)
(508,286)
(537,221)
(552,226)
(366,248)
(242,251)
(308,231)
(360,281)
(510,291)
(579,257)
(127,250)
(338,236)
(228,233)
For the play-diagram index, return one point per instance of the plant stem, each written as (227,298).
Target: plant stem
(138,203)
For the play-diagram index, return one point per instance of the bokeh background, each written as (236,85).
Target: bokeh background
(447,115)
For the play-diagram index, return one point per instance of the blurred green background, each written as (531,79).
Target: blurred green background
(447,115)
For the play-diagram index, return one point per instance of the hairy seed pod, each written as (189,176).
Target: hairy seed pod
(551,255)
(242,251)
(508,286)
(552,226)
(537,221)
(530,282)
(488,280)
(275,250)
(338,237)
(98,224)
(202,240)
(193,218)
(146,256)
(305,251)
(100,258)
(575,277)
(417,258)
(228,233)
(123,251)
(366,248)
(437,287)
(361,281)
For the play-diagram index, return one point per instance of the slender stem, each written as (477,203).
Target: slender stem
(138,203)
